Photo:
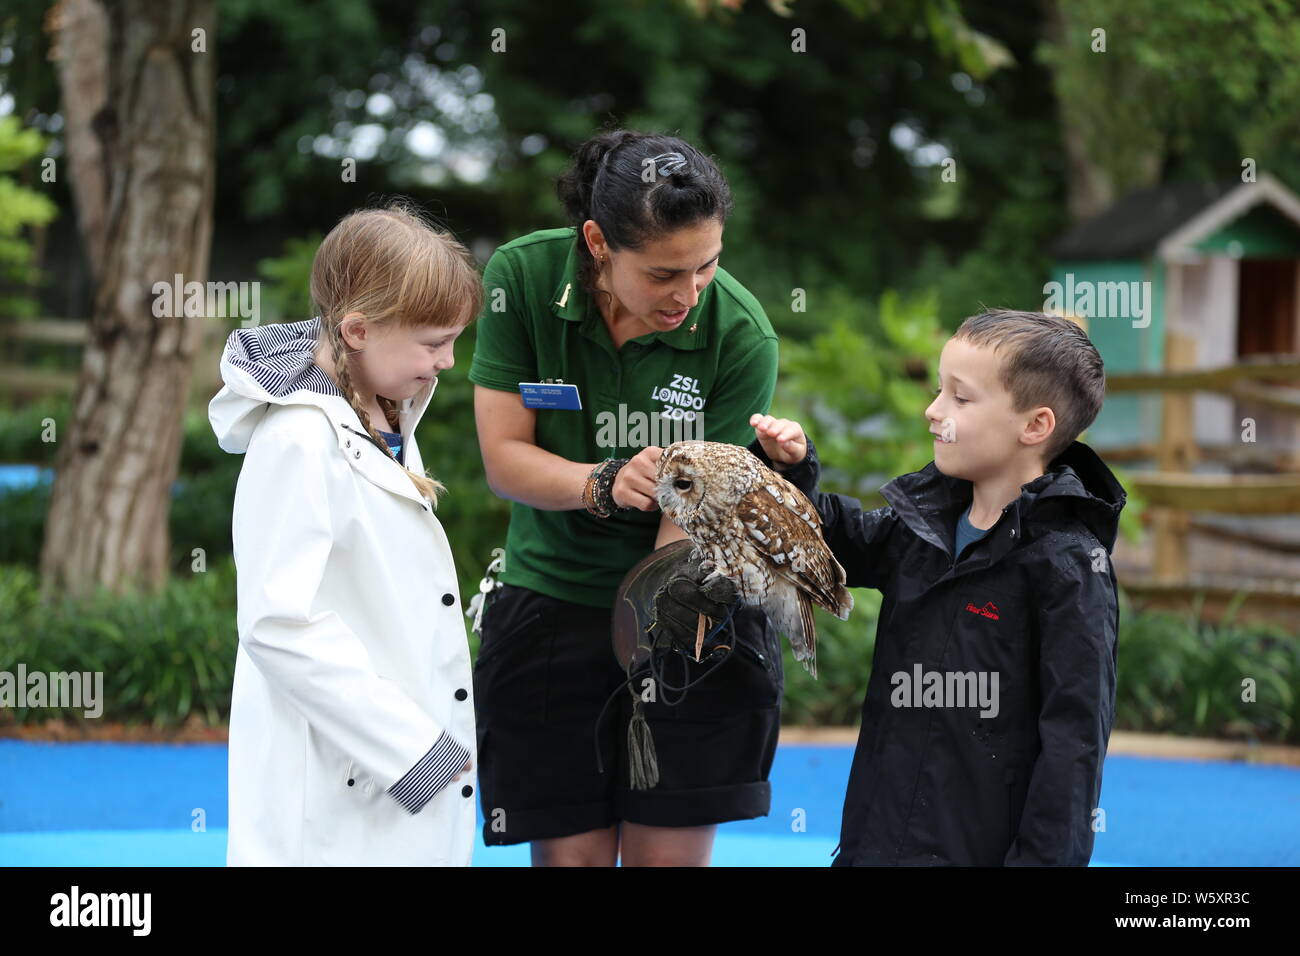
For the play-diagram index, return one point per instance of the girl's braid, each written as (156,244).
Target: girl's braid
(344,374)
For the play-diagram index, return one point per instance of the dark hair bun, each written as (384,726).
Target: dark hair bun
(639,187)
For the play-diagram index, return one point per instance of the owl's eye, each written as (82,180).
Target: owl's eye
(682,484)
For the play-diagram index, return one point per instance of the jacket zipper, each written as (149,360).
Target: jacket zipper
(952,565)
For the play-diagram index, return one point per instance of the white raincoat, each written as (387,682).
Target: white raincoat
(353,700)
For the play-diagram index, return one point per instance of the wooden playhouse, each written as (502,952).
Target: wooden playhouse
(1191,293)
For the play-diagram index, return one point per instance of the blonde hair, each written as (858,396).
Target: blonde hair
(396,268)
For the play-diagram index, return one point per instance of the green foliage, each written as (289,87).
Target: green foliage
(22,428)
(286,291)
(164,656)
(474,518)
(860,388)
(22,524)
(1191,87)
(20,207)
(1178,674)
(844,650)
(1007,267)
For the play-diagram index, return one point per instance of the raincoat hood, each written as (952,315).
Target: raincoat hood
(275,365)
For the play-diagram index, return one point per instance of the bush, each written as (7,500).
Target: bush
(163,656)
(844,650)
(860,388)
(22,524)
(21,431)
(1179,674)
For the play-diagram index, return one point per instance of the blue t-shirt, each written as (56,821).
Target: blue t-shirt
(394,442)
(967,533)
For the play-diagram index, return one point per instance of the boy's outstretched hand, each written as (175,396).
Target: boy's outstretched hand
(783,440)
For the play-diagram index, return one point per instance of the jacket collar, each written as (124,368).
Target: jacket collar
(570,302)
(929,502)
(275,365)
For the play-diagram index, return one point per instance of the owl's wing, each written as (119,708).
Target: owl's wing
(786,527)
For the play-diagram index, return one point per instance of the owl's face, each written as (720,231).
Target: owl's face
(696,480)
(680,481)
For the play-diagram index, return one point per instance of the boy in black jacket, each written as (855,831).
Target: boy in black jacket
(992,688)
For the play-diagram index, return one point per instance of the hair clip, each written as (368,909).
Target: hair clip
(673,162)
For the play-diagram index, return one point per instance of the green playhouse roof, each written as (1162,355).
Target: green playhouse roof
(1136,224)
(1259,219)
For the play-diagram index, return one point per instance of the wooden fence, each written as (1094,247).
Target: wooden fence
(72,334)
(1174,491)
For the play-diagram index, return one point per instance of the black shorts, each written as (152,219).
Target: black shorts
(544,670)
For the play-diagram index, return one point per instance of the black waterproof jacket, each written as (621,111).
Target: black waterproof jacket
(1034,603)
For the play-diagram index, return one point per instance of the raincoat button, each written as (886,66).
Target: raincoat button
(357,453)
(466,790)
(460,693)
(348,443)
(351,782)
(449,599)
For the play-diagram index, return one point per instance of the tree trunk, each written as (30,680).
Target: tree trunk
(1088,185)
(118,456)
(1109,145)
(79,46)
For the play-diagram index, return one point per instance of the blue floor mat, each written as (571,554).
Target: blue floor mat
(91,804)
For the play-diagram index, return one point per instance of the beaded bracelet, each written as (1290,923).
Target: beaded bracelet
(598,492)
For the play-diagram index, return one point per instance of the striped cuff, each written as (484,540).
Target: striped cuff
(434,771)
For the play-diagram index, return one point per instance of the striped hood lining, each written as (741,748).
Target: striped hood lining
(275,365)
(281,357)
(265,366)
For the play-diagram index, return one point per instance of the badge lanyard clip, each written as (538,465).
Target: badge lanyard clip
(485,587)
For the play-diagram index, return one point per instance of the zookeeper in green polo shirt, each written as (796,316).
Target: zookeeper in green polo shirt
(628,307)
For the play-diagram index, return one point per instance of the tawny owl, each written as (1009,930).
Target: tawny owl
(760,532)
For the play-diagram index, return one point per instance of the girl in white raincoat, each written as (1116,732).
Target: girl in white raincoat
(352,736)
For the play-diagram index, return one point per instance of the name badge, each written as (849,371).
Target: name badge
(550,395)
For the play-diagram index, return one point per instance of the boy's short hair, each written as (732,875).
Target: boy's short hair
(1047,360)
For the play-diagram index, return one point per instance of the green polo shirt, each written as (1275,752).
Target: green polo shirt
(539,324)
